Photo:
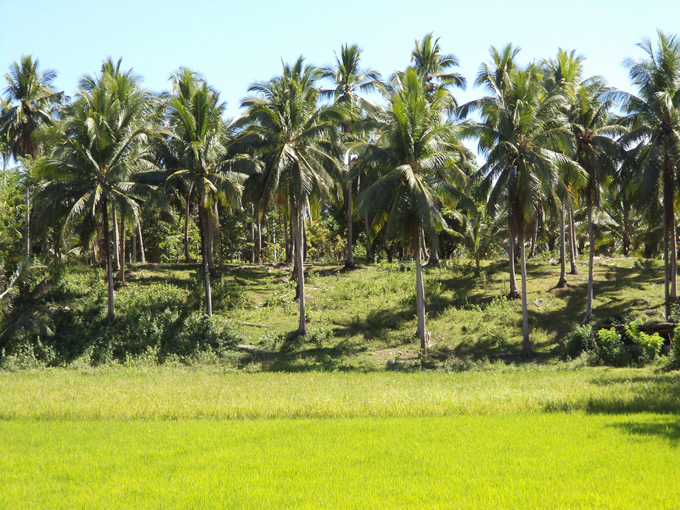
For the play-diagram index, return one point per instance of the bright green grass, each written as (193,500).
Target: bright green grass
(365,317)
(208,393)
(490,461)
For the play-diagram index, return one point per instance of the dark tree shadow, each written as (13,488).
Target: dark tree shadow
(667,427)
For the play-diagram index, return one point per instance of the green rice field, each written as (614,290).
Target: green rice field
(178,438)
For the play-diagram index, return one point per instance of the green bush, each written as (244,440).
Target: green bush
(582,339)
(650,345)
(610,349)
(603,348)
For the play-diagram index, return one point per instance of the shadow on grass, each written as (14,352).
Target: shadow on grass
(666,428)
(639,394)
(293,356)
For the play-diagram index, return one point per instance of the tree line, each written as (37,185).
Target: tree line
(565,163)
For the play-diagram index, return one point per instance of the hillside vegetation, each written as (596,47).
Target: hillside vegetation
(363,319)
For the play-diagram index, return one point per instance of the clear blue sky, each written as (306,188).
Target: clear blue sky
(233,43)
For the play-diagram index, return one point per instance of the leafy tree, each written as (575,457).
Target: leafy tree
(434,67)
(597,153)
(524,136)
(496,78)
(350,79)
(99,141)
(32,100)
(415,145)
(295,147)
(654,120)
(199,140)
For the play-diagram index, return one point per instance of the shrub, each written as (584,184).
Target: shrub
(650,345)
(610,349)
(581,340)
(603,348)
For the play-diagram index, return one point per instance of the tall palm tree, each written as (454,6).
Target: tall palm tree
(525,140)
(99,141)
(349,79)
(416,144)
(296,147)
(496,78)
(596,151)
(436,70)
(434,67)
(199,140)
(654,118)
(561,77)
(32,101)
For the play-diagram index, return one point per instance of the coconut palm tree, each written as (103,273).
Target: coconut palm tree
(99,141)
(496,78)
(561,77)
(349,79)
(433,66)
(416,145)
(596,151)
(199,141)
(295,146)
(654,120)
(524,137)
(32,100)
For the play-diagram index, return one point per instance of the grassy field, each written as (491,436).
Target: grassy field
(494,461)
(346,417)
(194,437)
(361,320)
(208,393)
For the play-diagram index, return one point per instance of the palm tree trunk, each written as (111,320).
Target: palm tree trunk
(420,297)
(28,222)
(563,256)
(210,238)
(252,235)
(534,239)
(670,248)
(434,251)
(187,257)
(349,262)
(626,233)
(203,224)
(369,248)
(107,251)
(259,241)
(299,254)
(591,256)
(294,227)
(116,246)
(514,293)
(527,351)
(289,246)
(275,218)
(121,274)
(572,242)
(141,243)
(133,255)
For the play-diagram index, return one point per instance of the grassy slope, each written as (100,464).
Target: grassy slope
(367,317)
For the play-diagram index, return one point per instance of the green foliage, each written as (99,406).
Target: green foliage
(12,210)
(650,345)
(603,348)
(324,240)
(674,356)
(609,348)
(580,340)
